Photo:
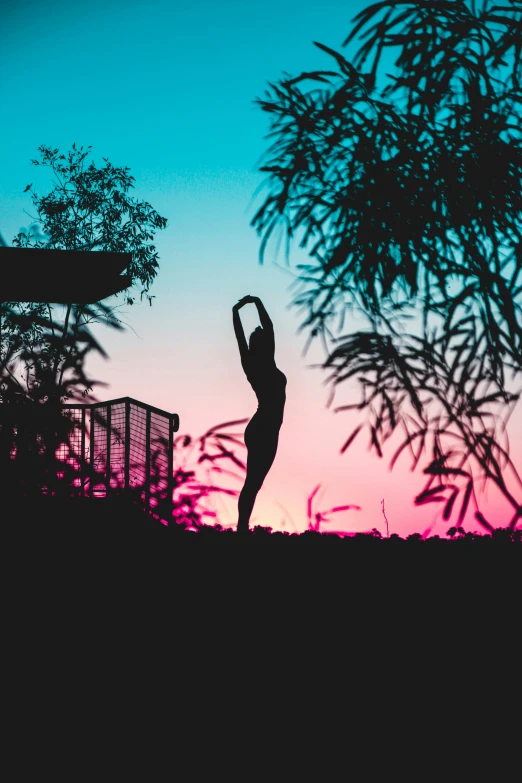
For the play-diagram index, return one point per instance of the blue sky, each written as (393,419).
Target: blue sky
(167,88)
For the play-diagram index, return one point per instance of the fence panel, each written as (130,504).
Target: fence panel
(104,449)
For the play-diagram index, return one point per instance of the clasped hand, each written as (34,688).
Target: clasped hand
(245,300)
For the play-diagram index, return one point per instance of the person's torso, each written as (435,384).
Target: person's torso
(269,386)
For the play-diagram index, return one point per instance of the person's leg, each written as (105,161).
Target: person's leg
(247,498)
(261,455)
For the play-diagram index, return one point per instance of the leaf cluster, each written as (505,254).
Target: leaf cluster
(407,385)
(406,190)
(90,208)
(208,454)
(44,360)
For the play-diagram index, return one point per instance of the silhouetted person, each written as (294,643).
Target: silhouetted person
(268,382)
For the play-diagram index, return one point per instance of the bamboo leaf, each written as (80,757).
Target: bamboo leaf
(351,438)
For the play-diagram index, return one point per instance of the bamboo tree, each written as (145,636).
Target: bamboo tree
(406,190)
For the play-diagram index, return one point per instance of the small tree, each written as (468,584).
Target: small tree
(408,195)
(89,208)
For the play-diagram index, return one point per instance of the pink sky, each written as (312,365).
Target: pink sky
(191,366)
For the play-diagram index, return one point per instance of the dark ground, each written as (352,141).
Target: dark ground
(115,539)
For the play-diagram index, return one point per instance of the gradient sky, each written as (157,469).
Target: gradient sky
(167,88)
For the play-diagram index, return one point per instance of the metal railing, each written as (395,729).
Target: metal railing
(120,446)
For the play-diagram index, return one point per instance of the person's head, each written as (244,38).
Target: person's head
(258,344)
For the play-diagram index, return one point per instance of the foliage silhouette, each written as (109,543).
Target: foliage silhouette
(318,518)
(192,479)
(89,208)
(407,194)
(42,358)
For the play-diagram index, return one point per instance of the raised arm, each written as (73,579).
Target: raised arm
(266,323)
(264,318)
(240,335)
